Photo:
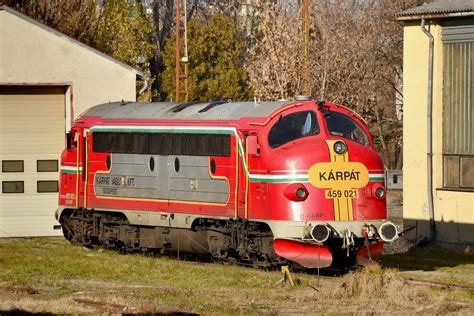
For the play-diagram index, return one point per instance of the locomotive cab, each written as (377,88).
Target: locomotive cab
(323,173)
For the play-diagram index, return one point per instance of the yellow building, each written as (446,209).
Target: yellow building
(438,121)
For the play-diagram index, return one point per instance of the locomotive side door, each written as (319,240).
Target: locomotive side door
(256,198)
(70,171)
(242,180)
(251,152)
(82,166)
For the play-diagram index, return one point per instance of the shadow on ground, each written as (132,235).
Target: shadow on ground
(20,312)
(427,257)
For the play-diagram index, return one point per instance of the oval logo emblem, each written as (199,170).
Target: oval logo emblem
(338,175)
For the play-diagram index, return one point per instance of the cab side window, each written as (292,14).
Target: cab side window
(342,125)
(71,139)
(292,127)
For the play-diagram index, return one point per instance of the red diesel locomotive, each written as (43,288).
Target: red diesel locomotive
(264,183)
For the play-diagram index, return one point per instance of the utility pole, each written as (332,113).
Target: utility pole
(306,79)
(178,53)
(185,58)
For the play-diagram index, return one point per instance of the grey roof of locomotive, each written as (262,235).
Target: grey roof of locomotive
(168,110)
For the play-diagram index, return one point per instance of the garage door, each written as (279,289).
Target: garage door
(32,125)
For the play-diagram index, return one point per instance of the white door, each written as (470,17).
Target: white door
(32,127)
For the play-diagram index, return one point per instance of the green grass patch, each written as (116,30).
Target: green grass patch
(48,274)
(429,258)
(437,264)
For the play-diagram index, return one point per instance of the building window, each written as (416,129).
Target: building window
(12,166)
(458,115)
(47,165)
(13,187)
(47,186)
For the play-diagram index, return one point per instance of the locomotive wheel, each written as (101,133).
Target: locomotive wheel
(68,229)
(74,224)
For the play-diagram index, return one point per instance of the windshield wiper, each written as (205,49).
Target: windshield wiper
(322,107)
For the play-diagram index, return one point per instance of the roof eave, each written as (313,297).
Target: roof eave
(433,16)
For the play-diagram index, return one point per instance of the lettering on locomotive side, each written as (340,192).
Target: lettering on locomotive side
(70,198)
(338,175)
(117,181)
(109,191)
(311,216)
(102,180)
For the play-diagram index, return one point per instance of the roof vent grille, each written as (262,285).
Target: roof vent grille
(212,105)
(303,98)
(182,106)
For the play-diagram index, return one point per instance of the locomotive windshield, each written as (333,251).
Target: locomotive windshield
(293,126)
(341,125)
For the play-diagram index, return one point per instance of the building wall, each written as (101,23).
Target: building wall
(33,119)
(454,210)
(32,55)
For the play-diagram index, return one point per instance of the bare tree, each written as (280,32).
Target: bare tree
(76,18)
(357,61)
(355,58)
(275,60)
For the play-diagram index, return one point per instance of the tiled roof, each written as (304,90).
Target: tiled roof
(440,8)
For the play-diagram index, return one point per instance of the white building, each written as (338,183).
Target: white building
(46,80)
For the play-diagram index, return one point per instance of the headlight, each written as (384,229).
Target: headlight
(339,147)
(296,192)
(380,192)
(301,193)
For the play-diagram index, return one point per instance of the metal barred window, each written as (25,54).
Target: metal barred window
(186,144)
(458,106)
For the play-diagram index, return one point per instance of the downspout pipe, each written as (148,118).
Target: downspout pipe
(429,155)
(145,86)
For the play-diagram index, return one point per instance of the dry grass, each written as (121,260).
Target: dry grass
(377,290)
(50,275)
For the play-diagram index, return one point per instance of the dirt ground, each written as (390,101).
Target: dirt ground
(52,276)
(49,275)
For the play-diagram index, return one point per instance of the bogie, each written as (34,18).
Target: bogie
(237,241)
